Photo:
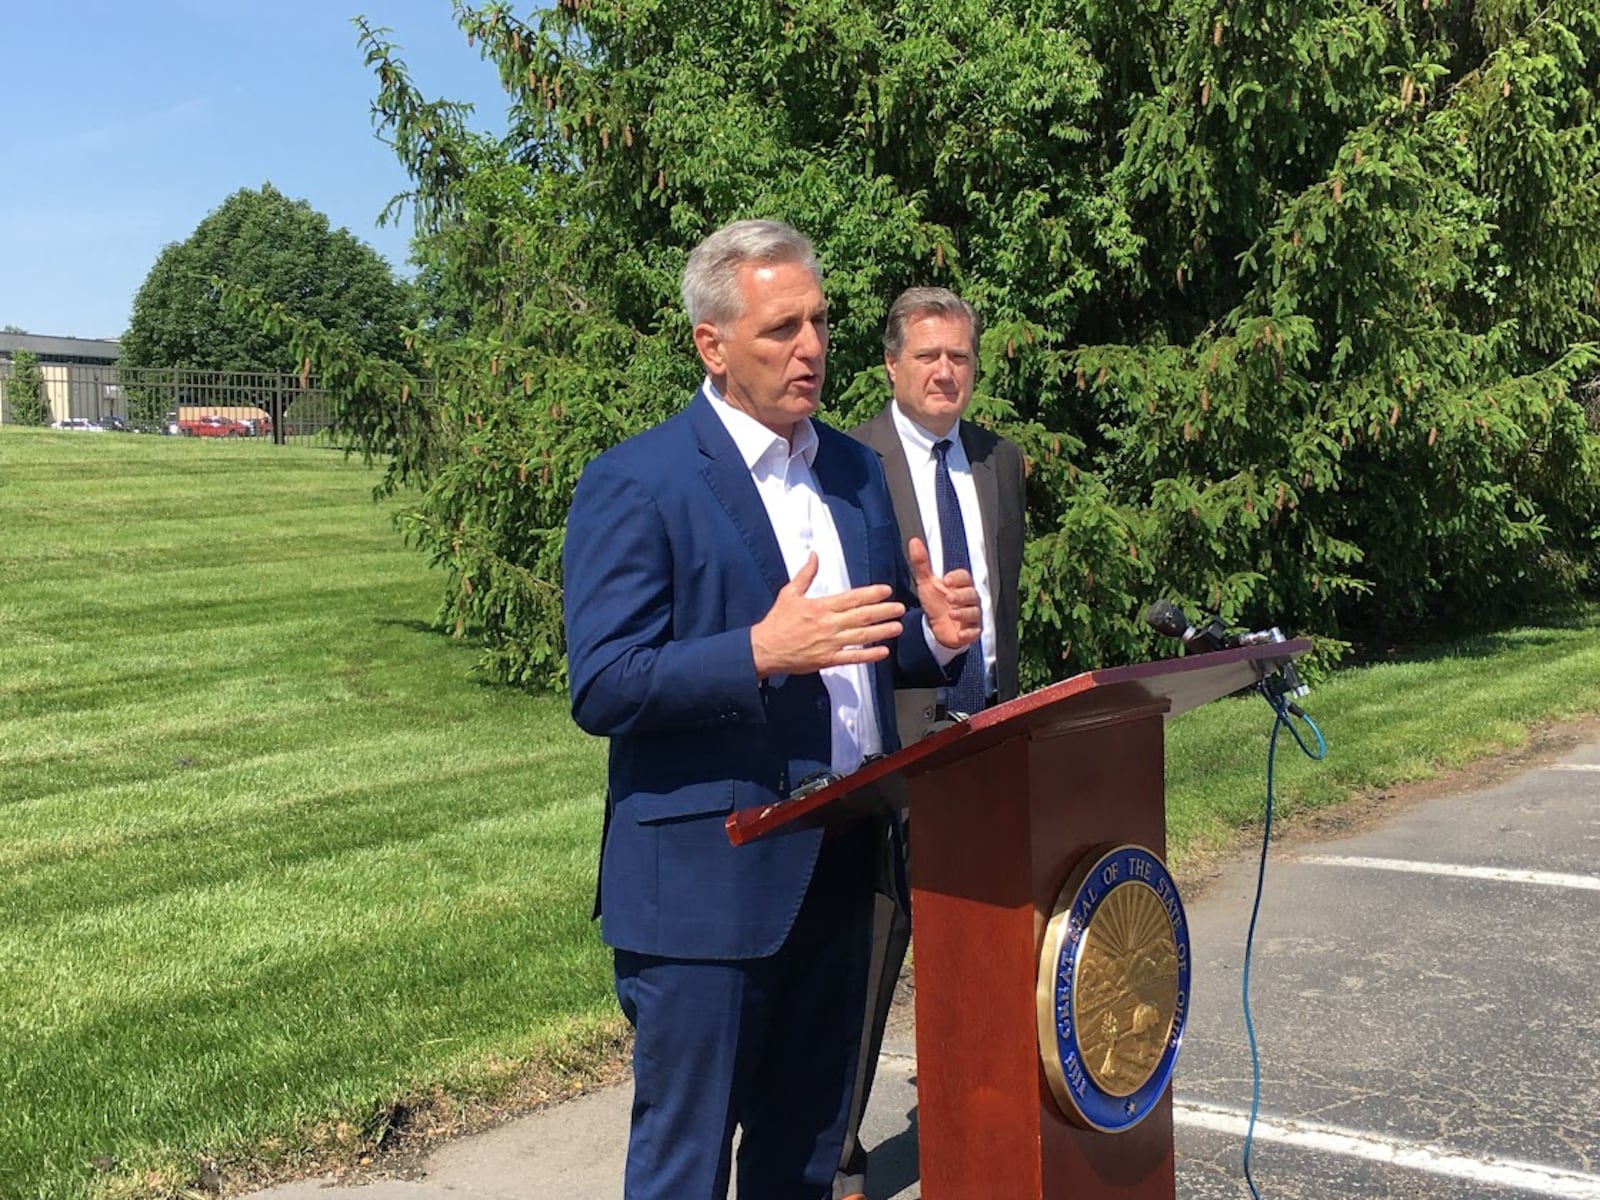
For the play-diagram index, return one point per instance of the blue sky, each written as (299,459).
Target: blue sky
(125,123)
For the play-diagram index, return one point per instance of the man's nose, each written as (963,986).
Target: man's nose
(943,368)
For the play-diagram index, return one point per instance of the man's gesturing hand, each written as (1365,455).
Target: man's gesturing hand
(801,634)
(950,601)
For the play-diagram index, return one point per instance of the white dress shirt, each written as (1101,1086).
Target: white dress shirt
(802,523)
(918,445)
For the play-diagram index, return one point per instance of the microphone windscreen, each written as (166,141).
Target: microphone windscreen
(1165,617)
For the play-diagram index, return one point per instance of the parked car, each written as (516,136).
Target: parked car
(214,426)
(81,424)
(115,424)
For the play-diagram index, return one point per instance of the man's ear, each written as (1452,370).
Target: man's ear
(708,342)
(888,365)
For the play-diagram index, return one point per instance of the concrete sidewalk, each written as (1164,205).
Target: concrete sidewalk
(577,1149)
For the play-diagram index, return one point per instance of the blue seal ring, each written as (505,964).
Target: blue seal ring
(1162,953)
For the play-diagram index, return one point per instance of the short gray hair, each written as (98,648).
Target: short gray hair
(926,302)
(711,277)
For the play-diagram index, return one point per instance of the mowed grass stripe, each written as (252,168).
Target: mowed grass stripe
(251,593)
(445,876)
(178,851)
(227,714)
(141,678)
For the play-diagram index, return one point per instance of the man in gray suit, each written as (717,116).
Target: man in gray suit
(960,489)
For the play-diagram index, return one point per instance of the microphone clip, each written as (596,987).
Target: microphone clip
(1284,685)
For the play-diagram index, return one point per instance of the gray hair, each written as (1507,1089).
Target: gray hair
(926,302)
(711,277)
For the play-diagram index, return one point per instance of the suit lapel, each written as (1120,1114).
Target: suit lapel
(728,477)
(883,437)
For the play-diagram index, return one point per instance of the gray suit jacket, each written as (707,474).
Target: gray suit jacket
(998,473)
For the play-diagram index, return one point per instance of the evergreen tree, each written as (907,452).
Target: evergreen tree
(26,402)
(1286,300)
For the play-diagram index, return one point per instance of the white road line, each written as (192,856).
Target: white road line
(1413,1156)
(1588,883)
(1571,767)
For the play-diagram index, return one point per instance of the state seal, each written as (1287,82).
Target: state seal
(1113,989)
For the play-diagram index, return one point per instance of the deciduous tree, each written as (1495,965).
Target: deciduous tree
(285,251)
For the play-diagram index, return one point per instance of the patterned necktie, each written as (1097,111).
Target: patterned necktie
(968,693)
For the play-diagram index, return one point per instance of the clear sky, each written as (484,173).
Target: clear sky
(124,122)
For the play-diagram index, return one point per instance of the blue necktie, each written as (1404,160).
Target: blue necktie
(968,693)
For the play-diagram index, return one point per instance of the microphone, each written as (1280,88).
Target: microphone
(1283,684)
(1167,618)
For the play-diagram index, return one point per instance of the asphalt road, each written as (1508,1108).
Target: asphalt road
(1426,997)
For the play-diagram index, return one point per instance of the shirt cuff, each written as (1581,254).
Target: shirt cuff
(942,654)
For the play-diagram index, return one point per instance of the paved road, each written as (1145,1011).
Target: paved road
(1426,996)
(1425,993)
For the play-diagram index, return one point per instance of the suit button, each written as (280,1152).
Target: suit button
(822,705)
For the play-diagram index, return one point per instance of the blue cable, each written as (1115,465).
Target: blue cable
(1282,709)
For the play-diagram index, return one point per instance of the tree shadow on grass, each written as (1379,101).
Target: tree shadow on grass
(1547,629)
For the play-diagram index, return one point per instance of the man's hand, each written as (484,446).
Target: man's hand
(801,634)
(949,602)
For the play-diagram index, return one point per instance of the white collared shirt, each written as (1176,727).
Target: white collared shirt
(802,523)
(918,445)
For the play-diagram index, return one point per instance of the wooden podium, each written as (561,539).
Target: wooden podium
(1004,807)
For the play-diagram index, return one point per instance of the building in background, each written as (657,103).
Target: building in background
(80,375)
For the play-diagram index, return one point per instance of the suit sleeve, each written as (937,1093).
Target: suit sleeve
(627,670)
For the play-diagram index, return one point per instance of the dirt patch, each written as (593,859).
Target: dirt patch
(395,1141)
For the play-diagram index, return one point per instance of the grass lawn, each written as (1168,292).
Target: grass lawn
(274,861)
(272,857)
(1386,724)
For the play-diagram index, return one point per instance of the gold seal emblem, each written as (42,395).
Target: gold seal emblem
(1127,992)
(1113,988)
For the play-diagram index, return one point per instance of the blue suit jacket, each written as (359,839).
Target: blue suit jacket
(669,560)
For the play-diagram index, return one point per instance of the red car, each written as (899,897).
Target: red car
(214,427)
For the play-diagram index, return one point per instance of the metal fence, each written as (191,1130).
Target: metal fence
(180,401)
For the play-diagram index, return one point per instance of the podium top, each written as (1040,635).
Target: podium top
(1168,687)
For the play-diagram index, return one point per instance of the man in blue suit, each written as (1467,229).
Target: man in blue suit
(738,613)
